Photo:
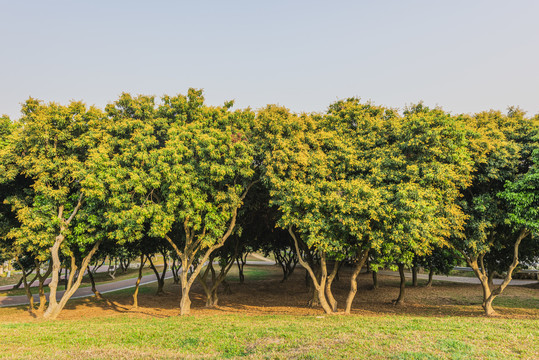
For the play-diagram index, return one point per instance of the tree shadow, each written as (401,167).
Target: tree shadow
(273,297)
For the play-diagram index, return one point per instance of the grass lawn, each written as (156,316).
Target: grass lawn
(267,319)
(274,337)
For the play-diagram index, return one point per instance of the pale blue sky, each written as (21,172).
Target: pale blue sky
(465,56)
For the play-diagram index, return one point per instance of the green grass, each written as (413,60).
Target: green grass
(274,337)
(233,336)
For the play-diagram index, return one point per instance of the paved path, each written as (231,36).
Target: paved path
(262,258)
(85,291)
(458,279)
(47,281)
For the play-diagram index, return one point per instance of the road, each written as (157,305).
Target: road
(47,281)
(85,291)
(458,279)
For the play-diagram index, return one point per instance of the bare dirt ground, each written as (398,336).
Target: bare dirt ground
(264,294)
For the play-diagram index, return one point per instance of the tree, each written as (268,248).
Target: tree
(324,209)
(225,255)
(503,148)
(440,261)
(413,167)
(51,150)
(428,165)
(522,195)
(184,177)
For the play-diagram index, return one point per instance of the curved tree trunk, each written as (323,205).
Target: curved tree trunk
(55,308)
(241,260)
(314,301)
(175,267)
(320,286)
(94,289)
(400,299)
(431,275)
(19,283)
(331,299)
(193,249)
(489,294)
(211,291)
(160,278)
(27,288)
(137,284)
(97,266)
(353,280)
(41,286)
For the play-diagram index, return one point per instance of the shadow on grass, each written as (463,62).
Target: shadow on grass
(266,295)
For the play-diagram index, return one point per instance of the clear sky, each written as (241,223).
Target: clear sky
(465,56)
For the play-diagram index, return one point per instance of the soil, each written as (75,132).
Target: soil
(270,296)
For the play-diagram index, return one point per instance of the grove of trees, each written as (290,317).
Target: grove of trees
(205,185)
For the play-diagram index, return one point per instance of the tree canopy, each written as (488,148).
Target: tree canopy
(206,183)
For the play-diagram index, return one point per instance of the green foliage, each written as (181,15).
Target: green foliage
(500,200)
(182,164)
(362,176)
(522,194)
(50,149)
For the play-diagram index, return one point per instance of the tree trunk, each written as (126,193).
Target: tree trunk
(287,261)
(164,272)
(226,287)
(489,294)
(353,280)
(314,301)
(55,307)
(319,286)
(137,284)
(414,276)
(211,291)
(19,283)
(374,280)
(160,280)
(175,267)
(213,299)
(491,279)
(41,284)
(94,289)
(185,302)
(202,277)
(331,299)
(400,299)
(64,280)
(192,247)
(27,289)
(487,306)
(431,275)
(315,298)
(56,268)
(96,267)
(241,260)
